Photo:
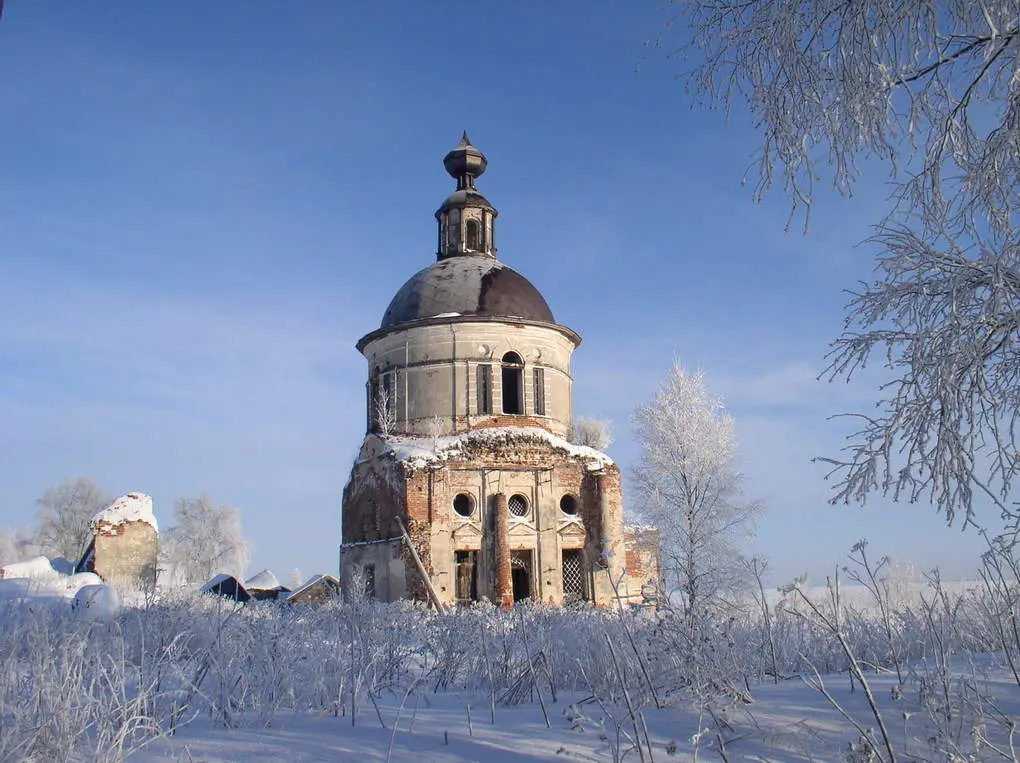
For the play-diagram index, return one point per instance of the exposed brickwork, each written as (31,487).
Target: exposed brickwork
(504,586)
(488,471)
(125,553)
(642,544)
(503,420)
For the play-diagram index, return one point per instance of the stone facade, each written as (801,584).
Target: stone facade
(469,401)
(500,513)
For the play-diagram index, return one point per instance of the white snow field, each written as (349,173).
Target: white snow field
(196,678)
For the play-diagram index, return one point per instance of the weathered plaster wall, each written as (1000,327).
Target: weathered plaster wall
(434,371)
(125,553)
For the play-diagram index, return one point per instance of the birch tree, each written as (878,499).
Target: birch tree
(688,487)
(594,433)
(65,510)
(206,540)
(930,89)
(8,547)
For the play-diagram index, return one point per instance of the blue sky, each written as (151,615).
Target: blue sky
(204,205)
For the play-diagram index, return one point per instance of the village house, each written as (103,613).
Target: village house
(467,486)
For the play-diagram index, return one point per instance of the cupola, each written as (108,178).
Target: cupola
(466,219)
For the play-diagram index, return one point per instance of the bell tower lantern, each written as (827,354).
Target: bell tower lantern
(466,219)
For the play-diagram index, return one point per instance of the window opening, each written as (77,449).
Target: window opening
(368,572)
(513,384)
(453,230)
(518,505)
(472,235)
(520,574)
(466,563)
(568,505)
(539,391)
(573,576)
(484,389)
(373,395)
(464,504)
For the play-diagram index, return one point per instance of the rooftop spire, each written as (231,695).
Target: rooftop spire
(465,163)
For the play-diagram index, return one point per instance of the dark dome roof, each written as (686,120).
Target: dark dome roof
(467,286)
(466,197)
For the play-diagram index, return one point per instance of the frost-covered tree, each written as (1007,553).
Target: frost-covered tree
(385,412)
(595,433)
(688,487)
(8,547)
(62,520)
(205,540)
(931,90)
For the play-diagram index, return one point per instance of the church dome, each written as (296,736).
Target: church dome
(467,286)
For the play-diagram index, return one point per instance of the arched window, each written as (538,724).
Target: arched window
(472,236)
(453,230)
(513,384)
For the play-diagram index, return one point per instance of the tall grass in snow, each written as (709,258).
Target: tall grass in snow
(75,690)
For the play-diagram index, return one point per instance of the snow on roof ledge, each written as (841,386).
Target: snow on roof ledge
(263,581)
(419,451)
(313,581)
(221,577)
(130,507)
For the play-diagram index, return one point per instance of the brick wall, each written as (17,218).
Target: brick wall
(126,553)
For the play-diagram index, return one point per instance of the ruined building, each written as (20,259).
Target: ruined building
(123,547)
(469,410)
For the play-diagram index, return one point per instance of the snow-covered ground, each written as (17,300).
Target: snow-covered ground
(789,721)
(196,678)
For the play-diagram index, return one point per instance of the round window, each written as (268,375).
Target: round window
(518,505)
(464,504)
(568,504)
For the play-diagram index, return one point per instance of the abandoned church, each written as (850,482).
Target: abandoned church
(467,486)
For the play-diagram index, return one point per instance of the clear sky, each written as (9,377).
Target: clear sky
(203,205)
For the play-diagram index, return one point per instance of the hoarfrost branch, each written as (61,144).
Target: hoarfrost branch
(205,541)
(63,518)
(931,90)
(594,433)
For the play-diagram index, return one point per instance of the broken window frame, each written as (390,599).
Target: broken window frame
(465,566)
(539,391)
(472,235)
(368,579)
(484,384)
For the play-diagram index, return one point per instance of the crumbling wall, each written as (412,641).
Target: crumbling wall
(643,566)
(374,496)
(506,465)
(423,490)
(125,553)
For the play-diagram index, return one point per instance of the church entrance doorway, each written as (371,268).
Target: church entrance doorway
(467,576)
(520,574)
